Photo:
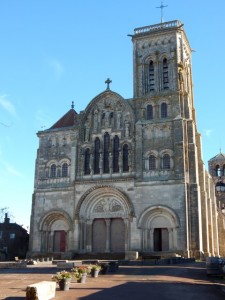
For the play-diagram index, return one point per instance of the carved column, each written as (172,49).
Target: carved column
(42,241)
(171,243)
(50,238)
(89,236)
(108,238)
(126,223)
(151,239)
(81,233)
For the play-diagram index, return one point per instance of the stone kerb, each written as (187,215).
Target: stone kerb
(13,265)
(43,290)
(65,265)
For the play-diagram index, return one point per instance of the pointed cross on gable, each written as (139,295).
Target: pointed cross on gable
(108,81)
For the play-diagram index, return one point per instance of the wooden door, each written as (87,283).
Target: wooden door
(117,243)
(59,243)
(99,235)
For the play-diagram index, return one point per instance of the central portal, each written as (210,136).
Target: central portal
(108,235)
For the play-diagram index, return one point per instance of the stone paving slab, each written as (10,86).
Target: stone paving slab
(129,282)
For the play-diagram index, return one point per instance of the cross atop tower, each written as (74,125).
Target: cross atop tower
(108,81)
(72,105)
(161,7)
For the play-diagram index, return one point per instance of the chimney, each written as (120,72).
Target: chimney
(6,219)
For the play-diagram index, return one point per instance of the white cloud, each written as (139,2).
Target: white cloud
(7,105)
(10,169)
(57,68)
(13,171)
(208,132)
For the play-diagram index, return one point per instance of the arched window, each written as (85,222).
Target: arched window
(125,158)
(223,173)
(152,162)
(97,156)
(103,119)
(65,170)
(165,75)
(87,162)
(53,171)
(111,118)
(106,153)
(116,154)
(164,110)
(166,162)
(151,76)
(218,171)
(149,112)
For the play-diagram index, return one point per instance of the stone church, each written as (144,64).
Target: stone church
(126,176)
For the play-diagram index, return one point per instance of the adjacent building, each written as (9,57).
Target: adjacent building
(13,240)
(127,175)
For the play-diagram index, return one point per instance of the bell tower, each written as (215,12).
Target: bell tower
(162,64)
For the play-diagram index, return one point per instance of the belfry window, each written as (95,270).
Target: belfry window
(164,110)
(218,171)
(111,118)
(152,162)
(106,153)
(165,74)
(149,112)
(53,171)
(125,158)
(65,170)
(151,76)
(97,156)
(87,162)
(166,162)
(116,154)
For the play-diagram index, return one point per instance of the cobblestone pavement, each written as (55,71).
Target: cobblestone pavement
(132,281)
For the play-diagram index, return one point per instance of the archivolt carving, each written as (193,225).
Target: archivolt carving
(52,216)
(149,215)
(108,205)
(105,201)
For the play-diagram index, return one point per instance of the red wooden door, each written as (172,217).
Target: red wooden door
(59,241)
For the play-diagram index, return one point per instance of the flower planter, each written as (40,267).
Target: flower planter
(94,273)
(64,284)
(82,279)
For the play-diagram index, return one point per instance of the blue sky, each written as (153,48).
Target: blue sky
(54,52)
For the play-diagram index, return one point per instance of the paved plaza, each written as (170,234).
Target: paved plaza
(132,281)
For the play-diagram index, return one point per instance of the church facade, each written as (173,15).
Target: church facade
(127,175)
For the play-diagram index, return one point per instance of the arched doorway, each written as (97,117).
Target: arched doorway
(54,229)
(104,215)
(159,229)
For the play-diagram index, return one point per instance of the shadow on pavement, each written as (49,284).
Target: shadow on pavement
(158,291)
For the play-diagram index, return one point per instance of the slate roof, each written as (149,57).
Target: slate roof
(68,120)
(220,156)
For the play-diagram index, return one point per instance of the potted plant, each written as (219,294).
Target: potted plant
(80,273)
(95,269)
(63,279)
